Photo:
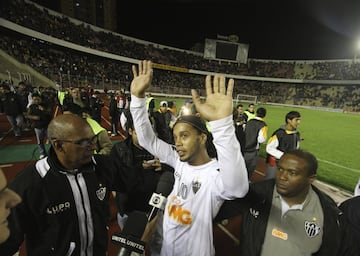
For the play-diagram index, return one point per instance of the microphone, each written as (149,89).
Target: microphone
(130,237)
(163,189)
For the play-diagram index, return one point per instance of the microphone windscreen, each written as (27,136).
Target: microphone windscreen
(135,224)
(165,184)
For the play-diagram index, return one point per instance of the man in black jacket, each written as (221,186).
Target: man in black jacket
(139,164)
(287,215)
(351,210)
(255,134)
(10,104)
(65,207)
(286,138)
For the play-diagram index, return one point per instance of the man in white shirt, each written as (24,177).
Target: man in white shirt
(202,183)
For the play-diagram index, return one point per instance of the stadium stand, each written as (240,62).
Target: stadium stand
(63,52)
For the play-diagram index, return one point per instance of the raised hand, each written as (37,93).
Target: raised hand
(142,78)
(219,101)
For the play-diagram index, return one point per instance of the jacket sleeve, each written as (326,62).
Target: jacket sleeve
(262,136)
(271,147)
(104,143)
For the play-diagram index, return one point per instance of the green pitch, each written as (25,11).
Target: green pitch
(334,138)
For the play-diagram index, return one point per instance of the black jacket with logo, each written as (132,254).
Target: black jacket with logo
(62,212)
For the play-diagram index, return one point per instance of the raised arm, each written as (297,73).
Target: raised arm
(218,102)
(142,78)
(217,109)
(143,74)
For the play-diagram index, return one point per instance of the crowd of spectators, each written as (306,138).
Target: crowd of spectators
(69,67)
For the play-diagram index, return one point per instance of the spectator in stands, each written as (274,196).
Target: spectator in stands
(40,116)
(250,112)
(286,138)
(202,183)
(288,215)
(65,208)
(10,104)
(163,122)
(255,134)
(8,200)
(130,155)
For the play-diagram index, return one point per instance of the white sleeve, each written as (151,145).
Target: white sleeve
(146,136)
(271,147)
(233,171)
(262,136)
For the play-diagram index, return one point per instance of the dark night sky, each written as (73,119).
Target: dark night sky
(279,29)
(274,29)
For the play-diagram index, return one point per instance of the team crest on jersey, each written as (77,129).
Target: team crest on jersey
(254,212)
(100,193)
(311,229)
(196,185)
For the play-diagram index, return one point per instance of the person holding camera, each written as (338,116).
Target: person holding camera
(203,178)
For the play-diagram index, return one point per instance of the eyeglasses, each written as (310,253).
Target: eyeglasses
(82,142)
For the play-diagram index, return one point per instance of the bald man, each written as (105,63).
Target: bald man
(65,207)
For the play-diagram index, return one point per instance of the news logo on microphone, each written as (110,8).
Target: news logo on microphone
(158,201)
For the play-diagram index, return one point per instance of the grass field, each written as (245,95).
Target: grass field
(334,138)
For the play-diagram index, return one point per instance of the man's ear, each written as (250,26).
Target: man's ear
(203,138)
(312,178)
(57,145)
